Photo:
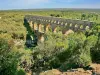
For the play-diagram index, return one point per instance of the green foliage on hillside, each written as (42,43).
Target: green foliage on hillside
(20,72)
(8,59)
(78,49)
(64,52)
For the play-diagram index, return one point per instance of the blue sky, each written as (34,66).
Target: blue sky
(31,4)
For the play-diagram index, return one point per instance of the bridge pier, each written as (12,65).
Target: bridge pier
(47,27)
(40,28)
(35,26)
(41,37)
(31,24)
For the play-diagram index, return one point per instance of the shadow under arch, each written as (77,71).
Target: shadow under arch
(31,38)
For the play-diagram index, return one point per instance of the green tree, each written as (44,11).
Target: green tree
(8,59)
(78,53)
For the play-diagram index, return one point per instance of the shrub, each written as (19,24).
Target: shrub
(76,55)
(21,72)
(95,51)
(8,59)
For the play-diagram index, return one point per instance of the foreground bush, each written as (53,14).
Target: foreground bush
(21,72)
(8,59)
(64,52)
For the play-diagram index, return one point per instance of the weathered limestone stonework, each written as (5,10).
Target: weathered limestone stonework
(42,24)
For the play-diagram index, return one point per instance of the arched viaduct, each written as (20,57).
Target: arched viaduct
(41,24)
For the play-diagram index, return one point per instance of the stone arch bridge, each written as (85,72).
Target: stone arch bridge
(41,24)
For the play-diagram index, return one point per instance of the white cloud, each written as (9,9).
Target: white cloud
(64,0)
(33,1)
(69,0)
(25,3)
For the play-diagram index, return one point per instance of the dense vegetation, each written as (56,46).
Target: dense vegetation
(78,49)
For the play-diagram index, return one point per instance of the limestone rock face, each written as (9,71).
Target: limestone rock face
(51,72)
(96,68)
(79,71)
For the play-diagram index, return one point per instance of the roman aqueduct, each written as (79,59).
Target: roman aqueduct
(41,24)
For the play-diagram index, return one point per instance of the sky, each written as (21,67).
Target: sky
(34,4)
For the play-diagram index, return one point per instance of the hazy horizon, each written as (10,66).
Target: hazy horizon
(49,4)
(53,9)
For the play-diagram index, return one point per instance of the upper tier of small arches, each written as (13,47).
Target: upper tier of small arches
(69,23)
